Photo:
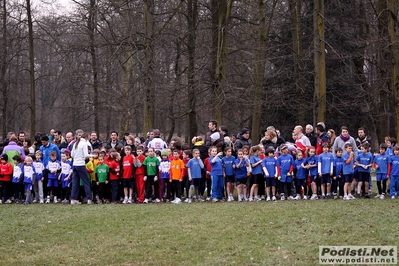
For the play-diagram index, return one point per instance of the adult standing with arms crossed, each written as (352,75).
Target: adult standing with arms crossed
(79,153)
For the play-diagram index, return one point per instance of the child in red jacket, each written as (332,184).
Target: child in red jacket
(5,178)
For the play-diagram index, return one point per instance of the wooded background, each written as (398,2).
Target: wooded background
(174,65)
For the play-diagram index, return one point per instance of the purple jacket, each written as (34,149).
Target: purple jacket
(12,146)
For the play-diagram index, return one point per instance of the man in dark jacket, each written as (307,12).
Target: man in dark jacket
(243,139)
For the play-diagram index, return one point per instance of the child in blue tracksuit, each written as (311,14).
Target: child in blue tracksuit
(228,172)
(347,171)
(29,179)
(285,167)
(364,161)
(240,166)
(338,180)
(17,177)
(326,170)
(382,163)
(216,174)
(256,175)
(300,174)
(310,164)
(270,171)
(194,167)
(394,187)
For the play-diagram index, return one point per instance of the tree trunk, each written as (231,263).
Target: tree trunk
(221,11)
(296,7)
(392,6)
(319,62)
(260,59)
(4,85)
(92,27)
(192,8)
(31,71)
(149,101)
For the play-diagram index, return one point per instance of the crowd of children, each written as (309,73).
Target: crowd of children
(169,175)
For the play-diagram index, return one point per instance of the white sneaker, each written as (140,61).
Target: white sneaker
(34,201)
(393,197)
(208,198)
(215,200)
(129,201)
(145,201)
(297,197)
(89,202)
(1,202)
(262,197)
(177,201)
(274,198)
(382,196)
(256,198)
(290,198)
(189,201)
(186,200)
(48,200)
(41,201)
(229,199)
(351,197)
(305,197)
(157,200)
(239,198)
(282,197)
(75,202)
(250,199)
(8,201)
(314,197)
(268,198)
(346,198)
(124,201)
(378,196)
(55,200)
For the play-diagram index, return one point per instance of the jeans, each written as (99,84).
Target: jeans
(80,173)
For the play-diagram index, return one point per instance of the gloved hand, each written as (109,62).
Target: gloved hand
(155,178)
(145,178)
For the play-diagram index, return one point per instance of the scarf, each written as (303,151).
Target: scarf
(345,139)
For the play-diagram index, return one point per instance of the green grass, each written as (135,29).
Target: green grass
(256,233)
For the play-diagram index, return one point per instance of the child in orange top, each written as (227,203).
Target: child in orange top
(176,176)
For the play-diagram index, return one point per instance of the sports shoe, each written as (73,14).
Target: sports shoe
(297,197)
(177,201)
(239,198)
(208,198)
(346,198)
(393,197)
(215,200)
(75,202)
(145,201)
(189,201)
(48,200)
(90,202)
(186,200)
(262,197)
(8,201)
(34,201)
(1,202)
(250,199)
(378,196)
(305,197)
(124,201)
(230,198)
(41,201)
(256,198)
(382,196)
(129,201)
(55,200)
(26,202)
(282,197)
(290,198)
(274,198)
(351,197)
(268,198)
(314,197)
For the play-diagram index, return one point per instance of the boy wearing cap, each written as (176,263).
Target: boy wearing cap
(5,178)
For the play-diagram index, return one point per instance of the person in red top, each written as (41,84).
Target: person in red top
(5,177)
(186,183)
(127,175)
(208,168)
(139,174)
(114,174)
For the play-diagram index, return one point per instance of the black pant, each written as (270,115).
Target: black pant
(103,191)
(176,188)
(114,190)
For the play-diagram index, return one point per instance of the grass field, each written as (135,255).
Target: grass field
(250,233)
